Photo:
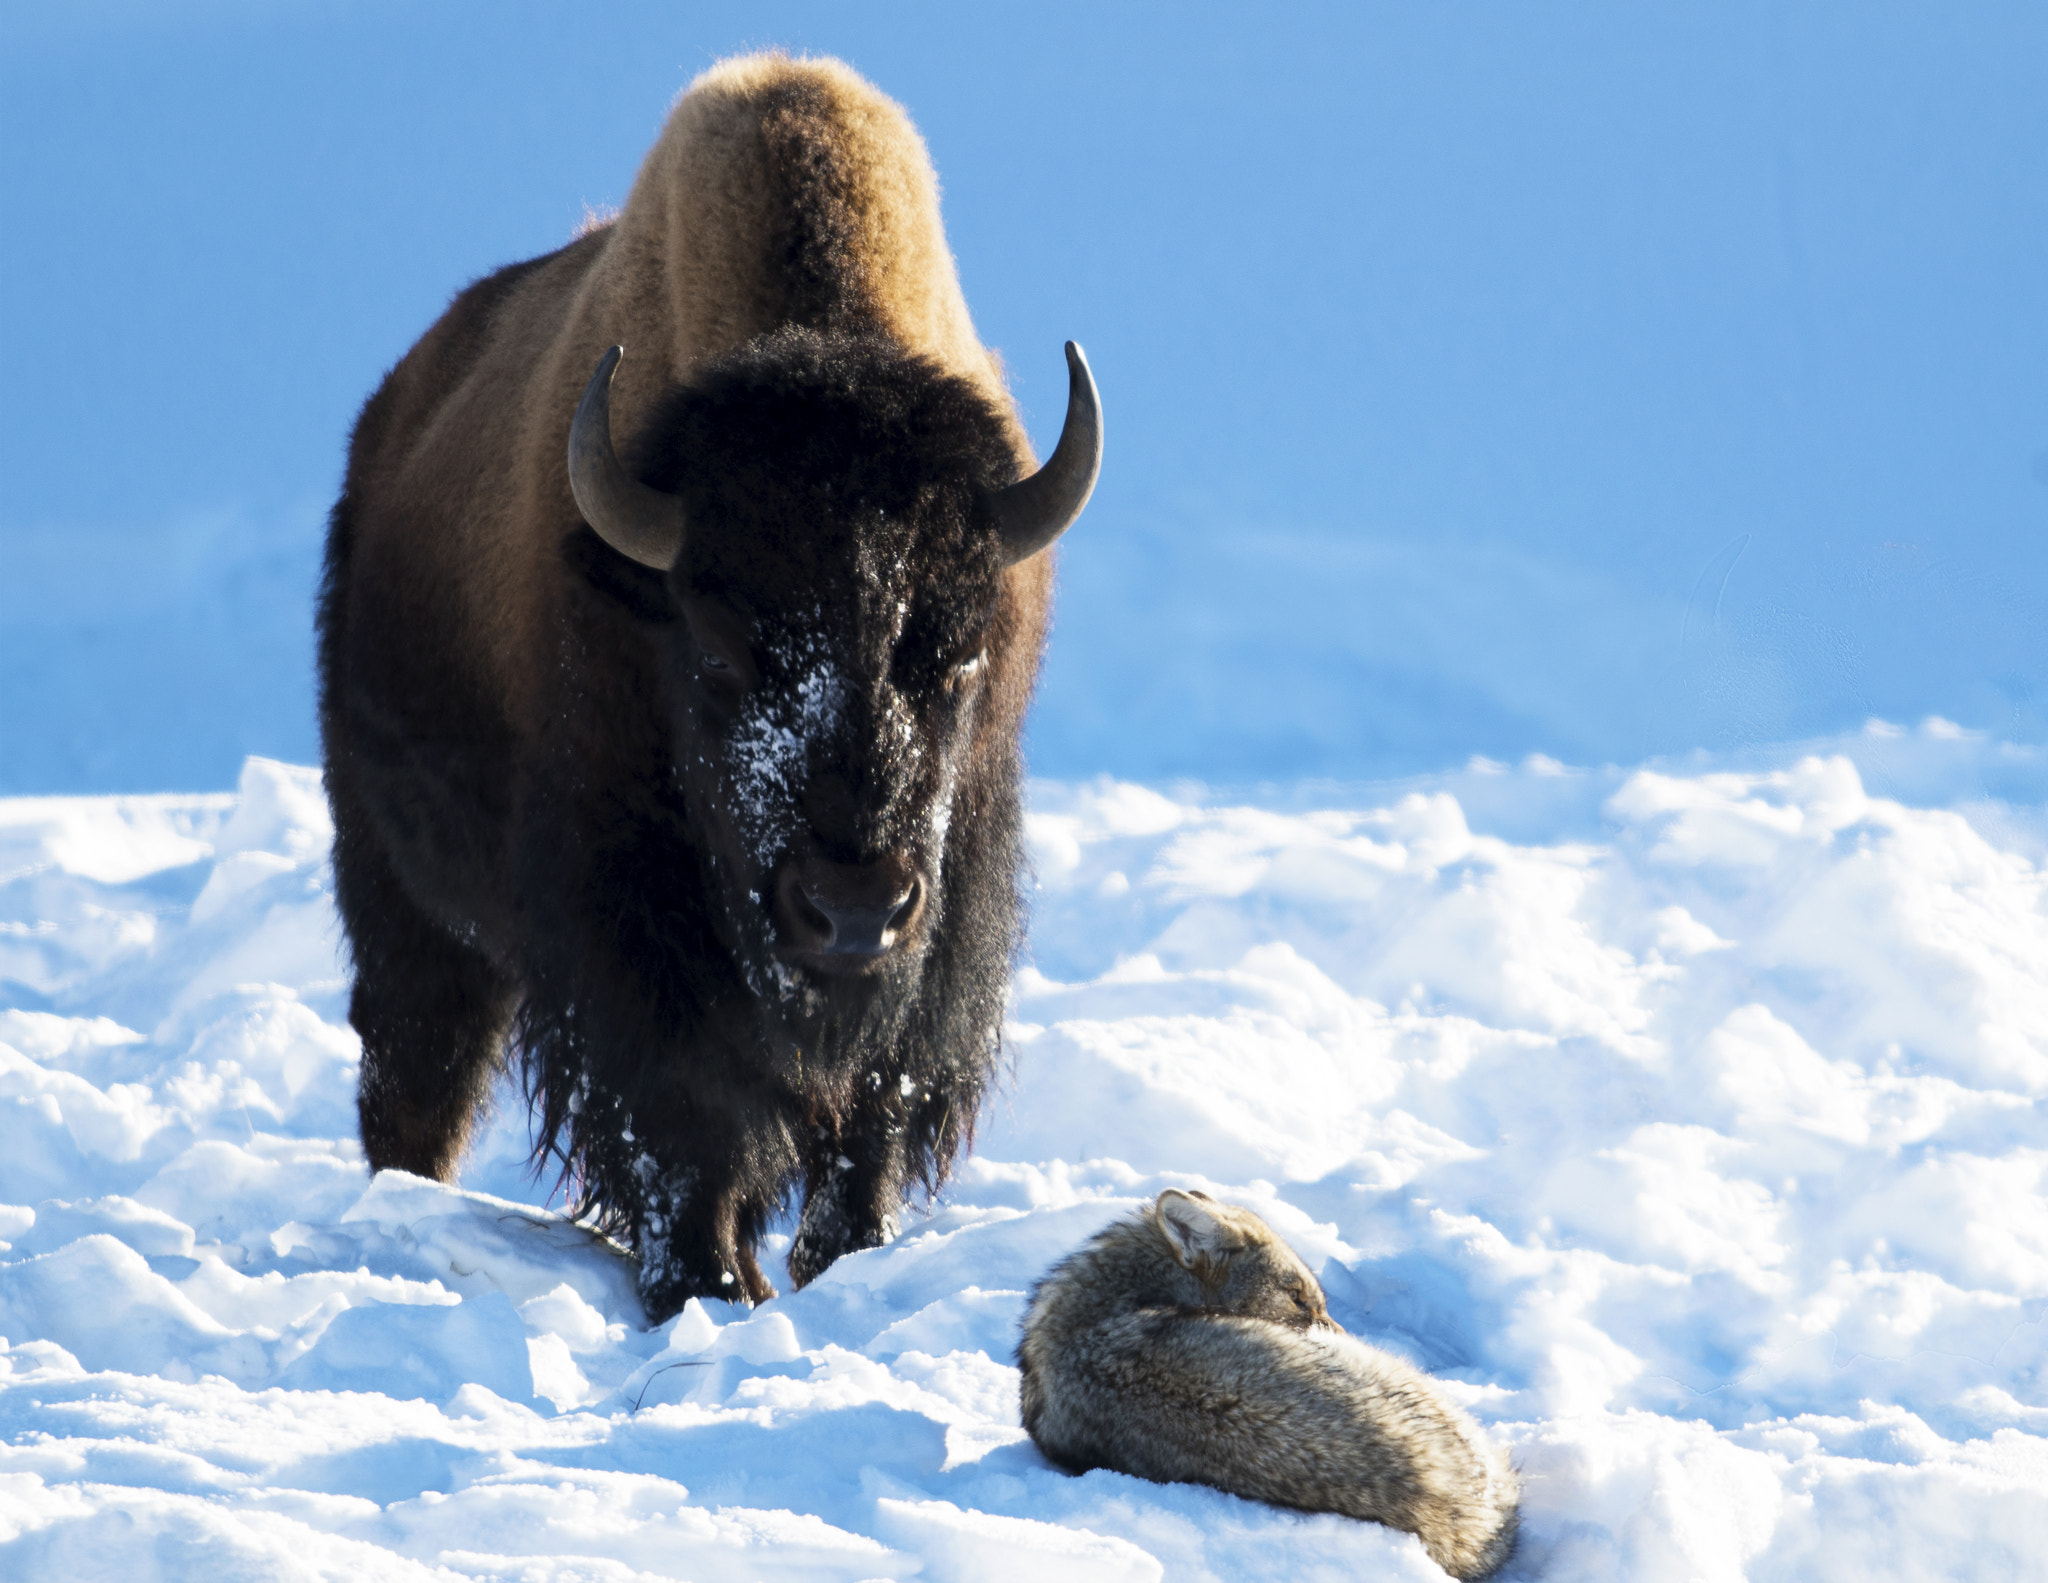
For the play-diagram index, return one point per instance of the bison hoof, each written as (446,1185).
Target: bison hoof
(807,1261)
(827,1233)
(663,1291)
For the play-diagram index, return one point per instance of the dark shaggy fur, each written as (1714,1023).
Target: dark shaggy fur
(566,788)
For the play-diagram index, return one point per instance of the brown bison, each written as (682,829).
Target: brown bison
(671,714)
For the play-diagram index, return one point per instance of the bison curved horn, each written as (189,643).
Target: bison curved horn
(1034,511)
(641,523)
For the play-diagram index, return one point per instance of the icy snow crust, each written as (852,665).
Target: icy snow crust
(1701,1152)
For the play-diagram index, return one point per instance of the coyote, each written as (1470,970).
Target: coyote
(1188,1342)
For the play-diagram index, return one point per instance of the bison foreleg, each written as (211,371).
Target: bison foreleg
(694,1235)
(853,1191)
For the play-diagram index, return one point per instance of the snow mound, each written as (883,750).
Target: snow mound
(1696,1143)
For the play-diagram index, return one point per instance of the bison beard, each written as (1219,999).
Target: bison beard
(721,837)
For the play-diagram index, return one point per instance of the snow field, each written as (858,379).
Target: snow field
(1692,1136)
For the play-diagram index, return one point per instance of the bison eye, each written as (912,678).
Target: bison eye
(966,670)
(720,676)
(720,639)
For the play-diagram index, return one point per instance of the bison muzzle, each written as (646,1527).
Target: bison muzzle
(671,711)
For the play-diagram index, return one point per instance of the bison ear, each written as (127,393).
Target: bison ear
(1197,1233)
(642,591)
(1034,511)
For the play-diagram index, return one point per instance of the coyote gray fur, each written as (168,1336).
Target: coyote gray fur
(1188,1342)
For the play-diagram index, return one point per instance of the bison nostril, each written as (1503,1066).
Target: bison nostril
(858,931)
(848,911)
(805,926)
(814,919)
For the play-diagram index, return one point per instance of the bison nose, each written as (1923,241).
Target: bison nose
(852,913)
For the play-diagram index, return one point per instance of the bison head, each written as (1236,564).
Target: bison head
(832,519)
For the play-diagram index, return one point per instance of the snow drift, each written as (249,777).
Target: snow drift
(1689,1126)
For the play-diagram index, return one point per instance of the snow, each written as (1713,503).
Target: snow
(1686,1121)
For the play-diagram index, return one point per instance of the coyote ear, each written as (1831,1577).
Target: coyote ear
(1192,1225)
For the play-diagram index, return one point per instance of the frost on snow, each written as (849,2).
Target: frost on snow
(1688,1122)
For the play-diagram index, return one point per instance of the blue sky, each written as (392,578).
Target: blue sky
(1598,380)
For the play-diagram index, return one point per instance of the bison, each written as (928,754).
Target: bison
(670,713)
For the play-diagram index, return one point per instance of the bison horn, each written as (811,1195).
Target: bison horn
(1034,511)
(641,523)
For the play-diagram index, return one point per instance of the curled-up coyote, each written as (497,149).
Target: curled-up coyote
(1188,1343)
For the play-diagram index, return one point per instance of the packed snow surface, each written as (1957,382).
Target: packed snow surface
(1685,1122)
